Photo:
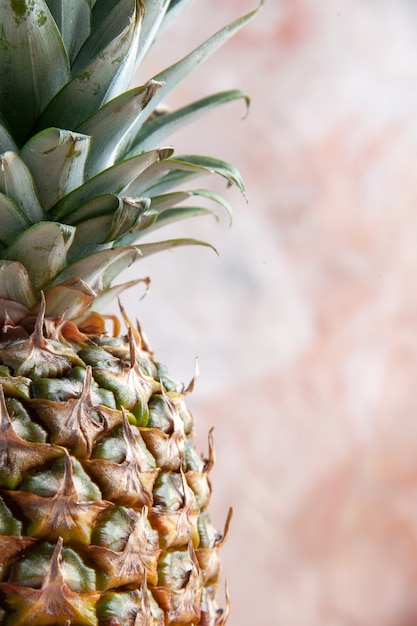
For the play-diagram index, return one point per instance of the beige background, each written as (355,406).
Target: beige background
(306,325)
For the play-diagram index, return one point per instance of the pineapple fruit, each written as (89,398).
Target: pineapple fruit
(103,497)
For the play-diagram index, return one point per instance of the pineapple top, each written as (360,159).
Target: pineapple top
(83,175)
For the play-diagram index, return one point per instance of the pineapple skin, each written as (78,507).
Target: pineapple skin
(103,505)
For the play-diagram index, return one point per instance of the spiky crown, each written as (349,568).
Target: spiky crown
(82,175)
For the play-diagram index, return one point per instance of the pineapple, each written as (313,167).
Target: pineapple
(103,496)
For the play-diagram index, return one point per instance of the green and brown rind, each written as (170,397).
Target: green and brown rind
(103,497)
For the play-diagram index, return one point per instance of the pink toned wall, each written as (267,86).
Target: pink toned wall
(306,325)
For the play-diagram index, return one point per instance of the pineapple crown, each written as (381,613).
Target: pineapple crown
(82,176)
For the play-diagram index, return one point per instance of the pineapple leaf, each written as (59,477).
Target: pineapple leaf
(15,285)
(161,126)
(215,166)
(111,293)
(56,159)
(163,211)
(96,233)
(158,171)
(177,72)
(70,298)
(167,212)
(164,180)
(162,176)
(6,140)
(42,249)
(73,20)
(154,15)
(12,220)
(16,182)
(105,76)
(28,31)
(114,180)
(146,249)
(109,125)
(177,213)
(89,238)
(108,20)
(97,206)
(211,195)
(169,200)
(99,269)
(131,216)
(167,217)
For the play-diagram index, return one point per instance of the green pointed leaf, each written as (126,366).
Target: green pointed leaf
(97,233)
(42,249)
(56,159)
(109,19)
(143,223)
(89,238)
(167,217)
(106,204)
(154,16)
(179,213)
(215,166)
(168,200)
(156,130)
(131,216)
(162,176)
(168,180)
(108,74)
(215,197)
(114,180)
(12,220)
(147,249)
(15,285)
(164,206)
(6,140)
(177,72)
(99,269)
(157,171)
(70,299)
(16,182)
(73,20)
(111,123)
(28,32)
(110,294)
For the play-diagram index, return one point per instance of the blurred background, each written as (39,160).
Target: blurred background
(306,324)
